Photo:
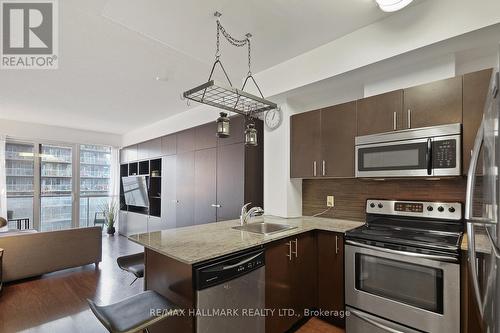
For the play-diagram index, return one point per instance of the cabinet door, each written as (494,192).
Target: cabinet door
(122,223)
(476,87)
(205,186)
(331,272)
(185,189)
(305,144)
(432,104)
(149,149)
(230,180)
(380,113)
(129,154)
(169,145)
(338,130)
(186,141)
(279,285)
(169,191)
(206,136)
(304,273)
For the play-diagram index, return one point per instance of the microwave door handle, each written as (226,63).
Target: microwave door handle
(373,322)
(429,156)
(473,268)
(471,174)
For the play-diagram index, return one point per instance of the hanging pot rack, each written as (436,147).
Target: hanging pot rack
(226,97)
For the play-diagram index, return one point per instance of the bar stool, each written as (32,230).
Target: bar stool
(134,313)
(133,263)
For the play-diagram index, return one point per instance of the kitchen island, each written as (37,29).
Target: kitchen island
(170,256)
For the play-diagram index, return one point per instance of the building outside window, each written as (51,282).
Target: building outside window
(43,180)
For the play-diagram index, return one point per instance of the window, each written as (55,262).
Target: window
(95,182)
(49,184)
(19,162)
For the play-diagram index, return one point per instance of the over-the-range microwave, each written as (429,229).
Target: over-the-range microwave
(420,152)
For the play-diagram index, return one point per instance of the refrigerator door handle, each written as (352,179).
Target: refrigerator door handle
(472,266)
(471,174)
(496,249)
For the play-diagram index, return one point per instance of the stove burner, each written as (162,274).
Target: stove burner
(376,232)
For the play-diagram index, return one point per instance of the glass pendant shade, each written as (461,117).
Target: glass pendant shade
(251,135)
(223,125)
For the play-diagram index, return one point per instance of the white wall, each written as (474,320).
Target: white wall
(282,196)
(31,131)
(415,27)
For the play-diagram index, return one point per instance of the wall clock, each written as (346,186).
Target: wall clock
(273,118)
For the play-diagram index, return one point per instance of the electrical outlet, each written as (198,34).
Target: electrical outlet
(330,201)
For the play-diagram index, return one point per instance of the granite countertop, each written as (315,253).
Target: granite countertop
(482,243)
(198,243)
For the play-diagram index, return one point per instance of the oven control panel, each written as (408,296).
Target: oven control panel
(438,210)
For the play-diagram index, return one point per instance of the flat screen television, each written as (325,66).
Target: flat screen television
(135,190)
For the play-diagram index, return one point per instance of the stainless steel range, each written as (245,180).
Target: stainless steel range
(402,268)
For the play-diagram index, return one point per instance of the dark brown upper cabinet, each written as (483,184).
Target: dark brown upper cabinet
(206,136)
(475,87)
(319,137)
(380,113)
(338,130)
(432,104)
(186,141)
(305,144)
(169,145)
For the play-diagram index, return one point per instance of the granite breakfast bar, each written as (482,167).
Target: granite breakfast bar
(171,254)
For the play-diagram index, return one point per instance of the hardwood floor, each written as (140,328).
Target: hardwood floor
(315,325)
(56,302)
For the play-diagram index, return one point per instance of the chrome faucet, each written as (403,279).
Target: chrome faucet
(247,214)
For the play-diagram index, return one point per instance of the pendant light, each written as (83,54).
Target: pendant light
(223,126)
(251,135)
(393,5)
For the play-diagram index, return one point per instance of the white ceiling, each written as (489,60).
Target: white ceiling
(111,52)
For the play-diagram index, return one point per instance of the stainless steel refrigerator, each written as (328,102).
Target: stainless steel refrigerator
(482,212)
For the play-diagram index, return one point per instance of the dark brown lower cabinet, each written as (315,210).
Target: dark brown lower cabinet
(291,275)
(331,275)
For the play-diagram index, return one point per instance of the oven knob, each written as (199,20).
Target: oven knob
(451,209)
(380,205)
(430,208)
(441,209)
(372,205)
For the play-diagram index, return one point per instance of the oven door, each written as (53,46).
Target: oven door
(415,291)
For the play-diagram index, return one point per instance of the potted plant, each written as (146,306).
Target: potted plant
(110,210)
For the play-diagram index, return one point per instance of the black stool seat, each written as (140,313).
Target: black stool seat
(133,263)
(134,313)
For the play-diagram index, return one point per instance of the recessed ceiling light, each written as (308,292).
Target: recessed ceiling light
(393,5)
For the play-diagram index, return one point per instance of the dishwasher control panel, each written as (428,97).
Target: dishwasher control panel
(228,268)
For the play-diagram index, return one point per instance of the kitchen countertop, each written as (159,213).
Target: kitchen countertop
(482,243)
(198,243)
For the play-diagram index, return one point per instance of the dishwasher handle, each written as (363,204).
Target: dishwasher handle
(221,270)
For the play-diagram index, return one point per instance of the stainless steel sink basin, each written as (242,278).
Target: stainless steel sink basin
(264,228)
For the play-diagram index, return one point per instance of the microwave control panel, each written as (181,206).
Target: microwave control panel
(444,154)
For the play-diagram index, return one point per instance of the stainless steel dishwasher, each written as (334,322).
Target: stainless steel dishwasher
(230,294)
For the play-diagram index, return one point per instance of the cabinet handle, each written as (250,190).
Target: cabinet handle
(314,168)
(216,205)
(323,168)
(409,118)
(289,255)
(336,244)
(394,120)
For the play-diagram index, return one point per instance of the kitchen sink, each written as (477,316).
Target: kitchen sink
(264,228)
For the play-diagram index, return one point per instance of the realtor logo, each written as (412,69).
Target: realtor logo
(29,34)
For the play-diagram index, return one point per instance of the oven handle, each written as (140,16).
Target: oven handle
(405,253)
(373,322)
(429,156)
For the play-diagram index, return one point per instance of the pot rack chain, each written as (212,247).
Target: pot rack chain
(233,41)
